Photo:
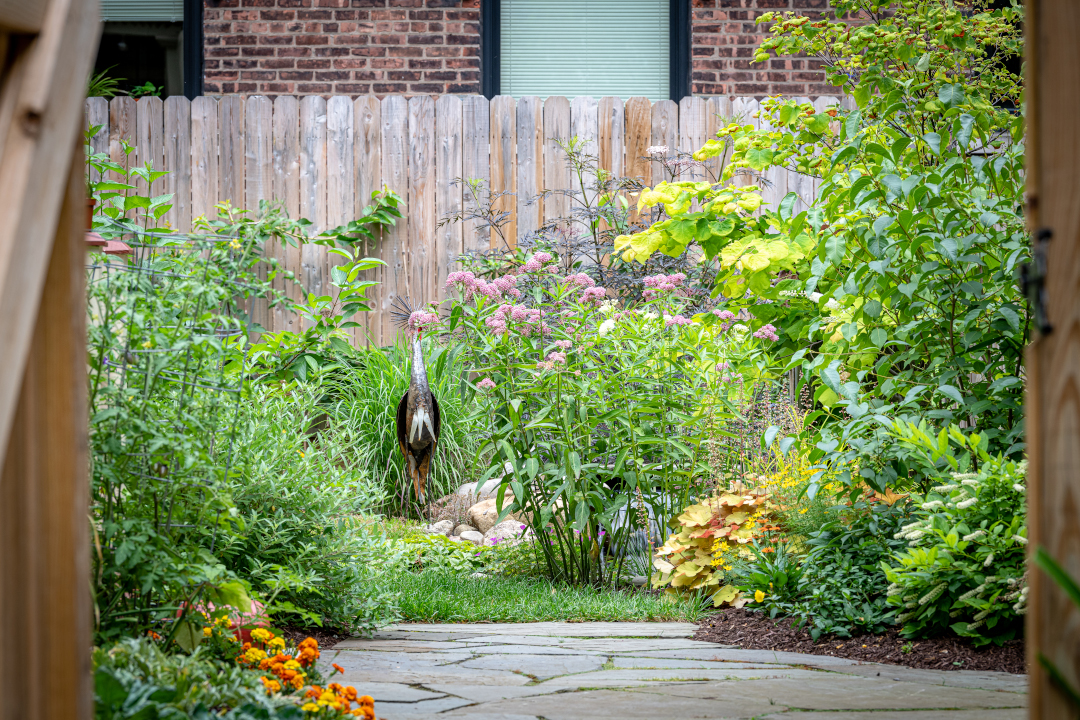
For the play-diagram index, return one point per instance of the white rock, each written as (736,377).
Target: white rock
(462,528)
(506,531)
(443,527)
(483,514)
(466,489)
(473,536)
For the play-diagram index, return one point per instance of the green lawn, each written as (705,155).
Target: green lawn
(442,597)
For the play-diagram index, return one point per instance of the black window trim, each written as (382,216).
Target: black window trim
(491,47)
(193,48)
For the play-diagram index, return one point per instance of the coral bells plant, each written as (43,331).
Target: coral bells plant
(711,535)
(591,402)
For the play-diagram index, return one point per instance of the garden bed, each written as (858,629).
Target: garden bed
(756,631)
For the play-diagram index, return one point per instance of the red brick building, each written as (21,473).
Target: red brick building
(356,47)
(656,48)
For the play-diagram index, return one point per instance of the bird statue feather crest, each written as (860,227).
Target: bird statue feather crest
(419,421)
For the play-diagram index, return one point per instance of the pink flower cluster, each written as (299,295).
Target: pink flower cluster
(563,344)
(580,279)
(527,317)
(726,377)
(421,319)
(557,357)
(536,262)
(724,314)
(767,332)
(670,320)
(486,384)
(656,284)
(471,284)
(593,294)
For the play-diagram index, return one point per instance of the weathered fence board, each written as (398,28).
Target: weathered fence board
(503,147)
(448,171)
(97,113)
(323,159)
(204,157)
(420,253)
(393,277)
(556,167)
(475,125)
(530,164)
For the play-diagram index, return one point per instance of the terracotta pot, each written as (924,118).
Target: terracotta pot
(90,203)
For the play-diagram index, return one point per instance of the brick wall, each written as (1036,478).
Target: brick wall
(341,47)
(724,37)
(356,47)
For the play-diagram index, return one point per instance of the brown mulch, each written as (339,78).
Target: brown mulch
(327,638)
(756,631)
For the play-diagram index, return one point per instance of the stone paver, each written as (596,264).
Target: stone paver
(566,671)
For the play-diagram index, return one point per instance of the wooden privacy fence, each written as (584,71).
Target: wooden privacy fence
(323,159)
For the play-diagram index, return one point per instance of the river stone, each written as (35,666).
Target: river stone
(483,514)
(462,528)
(443,527)
(473,536)
(506,531)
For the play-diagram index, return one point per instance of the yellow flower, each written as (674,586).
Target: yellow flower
(759,596)
(277,642)
(301,453)
(292,665)
(235,244)
(207,632)
(147,345)
(261,635)
(310,707)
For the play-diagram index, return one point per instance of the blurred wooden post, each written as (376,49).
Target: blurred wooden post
(1052,96)
(45,606)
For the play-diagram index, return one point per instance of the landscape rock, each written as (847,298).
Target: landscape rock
(506,531)
(462,528)
(473,536)
(488,488)
(442,527)
(483,514)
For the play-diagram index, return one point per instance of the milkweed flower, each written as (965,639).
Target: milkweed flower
(563,344)
(593,294)
(580,279)
(556,357)
(767,332)
(486,384)
(670,320)
(724,314)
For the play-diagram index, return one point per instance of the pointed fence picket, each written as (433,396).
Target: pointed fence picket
(322,159)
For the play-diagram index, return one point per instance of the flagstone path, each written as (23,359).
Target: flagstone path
(564,671)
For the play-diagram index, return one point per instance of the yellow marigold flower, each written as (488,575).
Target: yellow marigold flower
(297,682)
(277,642)
(292,665)
(261,635)
(207,632)
(309,707)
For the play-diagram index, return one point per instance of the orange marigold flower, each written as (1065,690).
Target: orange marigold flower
(297,682)
(314,692)
(367,700)
(335,687)
(309,643)
(350,693)
(337,667)
(369,712)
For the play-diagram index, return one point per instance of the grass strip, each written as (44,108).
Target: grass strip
(445,597)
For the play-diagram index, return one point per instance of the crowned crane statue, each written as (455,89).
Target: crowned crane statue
(418,418)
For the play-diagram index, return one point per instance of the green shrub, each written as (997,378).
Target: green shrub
(136,680)
(964,567)
(836,587)
(299,493)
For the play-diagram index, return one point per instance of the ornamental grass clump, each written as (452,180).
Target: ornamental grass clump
(588,401)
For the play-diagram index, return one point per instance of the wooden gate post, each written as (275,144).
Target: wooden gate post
(1052,95)
(45,603)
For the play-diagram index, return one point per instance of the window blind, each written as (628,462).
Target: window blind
(585,47)
(142,10)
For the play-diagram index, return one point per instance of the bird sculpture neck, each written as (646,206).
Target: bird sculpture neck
(419,379)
